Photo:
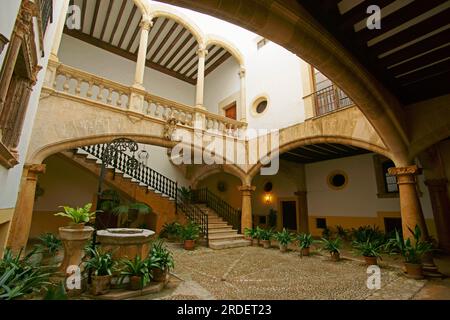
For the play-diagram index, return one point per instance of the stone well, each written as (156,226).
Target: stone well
(124,242)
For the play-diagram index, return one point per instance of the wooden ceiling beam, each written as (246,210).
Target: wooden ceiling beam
(171,45)
(164,40)
(105,23)
(83,14)
(125,54)
(191,47)
(156,36)
(119,17)
(221,60)
(94,18)
(358,13)
(180,49)
(133,37)
(127,26)
(190,59)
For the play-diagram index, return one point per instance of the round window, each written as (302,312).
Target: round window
(261,107)
(337,180)
(268,187)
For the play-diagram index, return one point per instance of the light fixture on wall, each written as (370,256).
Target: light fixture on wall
(268,198)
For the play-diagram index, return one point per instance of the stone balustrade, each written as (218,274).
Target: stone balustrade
(82,84)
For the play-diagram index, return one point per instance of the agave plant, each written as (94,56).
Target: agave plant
(332,245)
(369,248)
(100,263)
(305,240)
(137,267)
(284,237)
(78,215)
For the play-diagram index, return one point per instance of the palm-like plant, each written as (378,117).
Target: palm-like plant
(185,193)
(137,267)
(265,234)
(170,230)
(79,215)
(369,248)
(101,264)
(191,231)
(284,237)
(251,232)
(332,245)
(305,240)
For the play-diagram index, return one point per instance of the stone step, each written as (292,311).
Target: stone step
(217,245)
(222,231)
(219,226)
(219,236)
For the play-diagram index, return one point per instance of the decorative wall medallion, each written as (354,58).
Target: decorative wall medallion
(169,129)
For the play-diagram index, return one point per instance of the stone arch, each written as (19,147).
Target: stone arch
(172,14)
(325,139)
(227,45)
(206,171)
(143,6)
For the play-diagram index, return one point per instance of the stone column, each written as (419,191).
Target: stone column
(202,52)
(21,222)
(303,211)
(246,218)
(243,95)
(441,210)
(59,30)
(142,54)
(410,207)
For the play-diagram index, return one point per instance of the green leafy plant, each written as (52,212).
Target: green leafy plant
(265,234)
(284,237)
(50,244)
(56,292)
(327,233)
(161,257)
(21,277)
(368,233)
(342,232)
(137,267)
(251,232)
(412,251)
(190,231)
(185,194)
(369,248)
(78,215)
(100,263)
(305,240)
(331,245)
(170,230)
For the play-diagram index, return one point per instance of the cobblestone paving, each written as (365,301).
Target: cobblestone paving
(257,273)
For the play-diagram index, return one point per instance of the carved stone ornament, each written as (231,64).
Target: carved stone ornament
(169,129)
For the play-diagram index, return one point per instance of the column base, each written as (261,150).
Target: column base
(138,86)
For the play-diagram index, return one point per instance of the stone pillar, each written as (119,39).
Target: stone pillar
(441,210)
(243,95)
(21,222)
(145,25)
(410,207)
(59,30)
(246,218)
(202,52)
(303,211)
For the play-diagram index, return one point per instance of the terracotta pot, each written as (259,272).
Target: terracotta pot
(189,244)
(335,256)
(100,285)
(266,244)
(414,270)
(283,248)
(371,261)
(160,275)
(255,242)
(76,226)
(135,283)
(305,252)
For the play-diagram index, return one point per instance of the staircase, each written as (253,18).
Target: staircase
(221,235)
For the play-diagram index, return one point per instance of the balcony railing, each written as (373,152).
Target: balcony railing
(72,81)
(46,7)
(330,99)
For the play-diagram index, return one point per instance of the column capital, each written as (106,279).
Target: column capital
(202,52)
(246,189)
(35,168)
(146,24)
(405,171)
(241,72)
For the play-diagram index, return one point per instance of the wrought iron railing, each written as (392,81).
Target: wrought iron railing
(330,99)
(194,214)
(220,206)
(46,13)
(142,173)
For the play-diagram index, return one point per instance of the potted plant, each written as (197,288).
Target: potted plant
(137,271)
(252,233)
(49,247)
(189,233)
(248,233)
(185,194)
(101,264)
(412,251)
(75,236)
(161,260)
(264,236)
(171,231)
(332,246)
(284,238)
(305,240)
(370,250)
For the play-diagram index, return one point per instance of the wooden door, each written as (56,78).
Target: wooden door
(289,211)
(231,111)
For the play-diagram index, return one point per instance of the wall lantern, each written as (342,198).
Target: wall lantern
(268,198)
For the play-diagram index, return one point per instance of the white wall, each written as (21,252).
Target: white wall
(359,197)
(221,84)
(10,179)
(8,15)
(86,57)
